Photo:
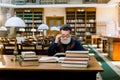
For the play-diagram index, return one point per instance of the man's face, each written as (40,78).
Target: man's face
(65,37)
(65,34)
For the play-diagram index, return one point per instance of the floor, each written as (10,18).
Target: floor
(115,65)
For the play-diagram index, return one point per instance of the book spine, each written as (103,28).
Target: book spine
(76,59)
(75,66)
(75,62)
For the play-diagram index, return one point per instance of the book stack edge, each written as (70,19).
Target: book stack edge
(28,59)
(75,60)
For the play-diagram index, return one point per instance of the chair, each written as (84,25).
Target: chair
(45,44)
(9,48)
(28,47)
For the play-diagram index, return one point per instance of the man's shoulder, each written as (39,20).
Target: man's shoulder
(75,40)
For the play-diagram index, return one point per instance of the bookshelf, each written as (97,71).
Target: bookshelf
(19,2)
(83,22)
(33,17)
(70,19)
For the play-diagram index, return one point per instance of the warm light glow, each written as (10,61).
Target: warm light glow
(33,30)
(22,29)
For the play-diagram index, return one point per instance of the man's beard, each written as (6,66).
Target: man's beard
(65,41)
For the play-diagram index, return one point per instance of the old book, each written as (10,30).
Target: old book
(28,62)
(28,58)
(80,54)
(28,54)
(75,62)
(75,59)
(75,65)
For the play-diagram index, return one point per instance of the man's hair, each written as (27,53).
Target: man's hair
(66,27)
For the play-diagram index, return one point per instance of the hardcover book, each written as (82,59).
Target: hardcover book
(28,62)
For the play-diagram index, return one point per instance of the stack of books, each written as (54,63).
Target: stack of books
(75,59)
(28,58)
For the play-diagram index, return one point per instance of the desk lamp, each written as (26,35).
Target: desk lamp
(22,30)
(3,28)
(15,22)
(43,27)
(54,29)
(40,32)
(33,30)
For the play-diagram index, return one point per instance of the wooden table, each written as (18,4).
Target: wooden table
(11,70)
(114,47)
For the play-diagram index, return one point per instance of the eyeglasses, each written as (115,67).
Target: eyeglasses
(65,36)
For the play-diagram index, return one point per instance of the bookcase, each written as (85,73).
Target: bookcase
(33,17)
(83,22)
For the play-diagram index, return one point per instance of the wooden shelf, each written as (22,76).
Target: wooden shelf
(33,17)
(82,21)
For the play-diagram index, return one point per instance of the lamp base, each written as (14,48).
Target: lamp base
(15,58)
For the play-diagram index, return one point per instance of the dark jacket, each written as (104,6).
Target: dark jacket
(61,48)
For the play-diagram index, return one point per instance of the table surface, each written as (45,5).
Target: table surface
(7,64)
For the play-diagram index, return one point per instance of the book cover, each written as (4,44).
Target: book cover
(29,58)
(28,62)
(28,54)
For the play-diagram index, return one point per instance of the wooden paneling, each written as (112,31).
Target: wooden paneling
(116,51)
(114,48)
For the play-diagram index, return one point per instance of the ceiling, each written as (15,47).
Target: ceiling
(110,3)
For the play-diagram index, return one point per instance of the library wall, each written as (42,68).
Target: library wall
(106,18)
(3,18)
(52,12)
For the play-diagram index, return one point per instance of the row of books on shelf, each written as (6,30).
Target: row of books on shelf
(81,29)
(30,21)
(71,19)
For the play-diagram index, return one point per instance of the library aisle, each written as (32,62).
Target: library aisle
(114,65)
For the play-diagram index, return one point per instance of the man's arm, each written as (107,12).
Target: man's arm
(52,49)
(78,45)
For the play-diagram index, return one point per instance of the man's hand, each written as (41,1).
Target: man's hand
(57,38)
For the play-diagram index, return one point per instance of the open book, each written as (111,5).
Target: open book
(59,55)
(48,59)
